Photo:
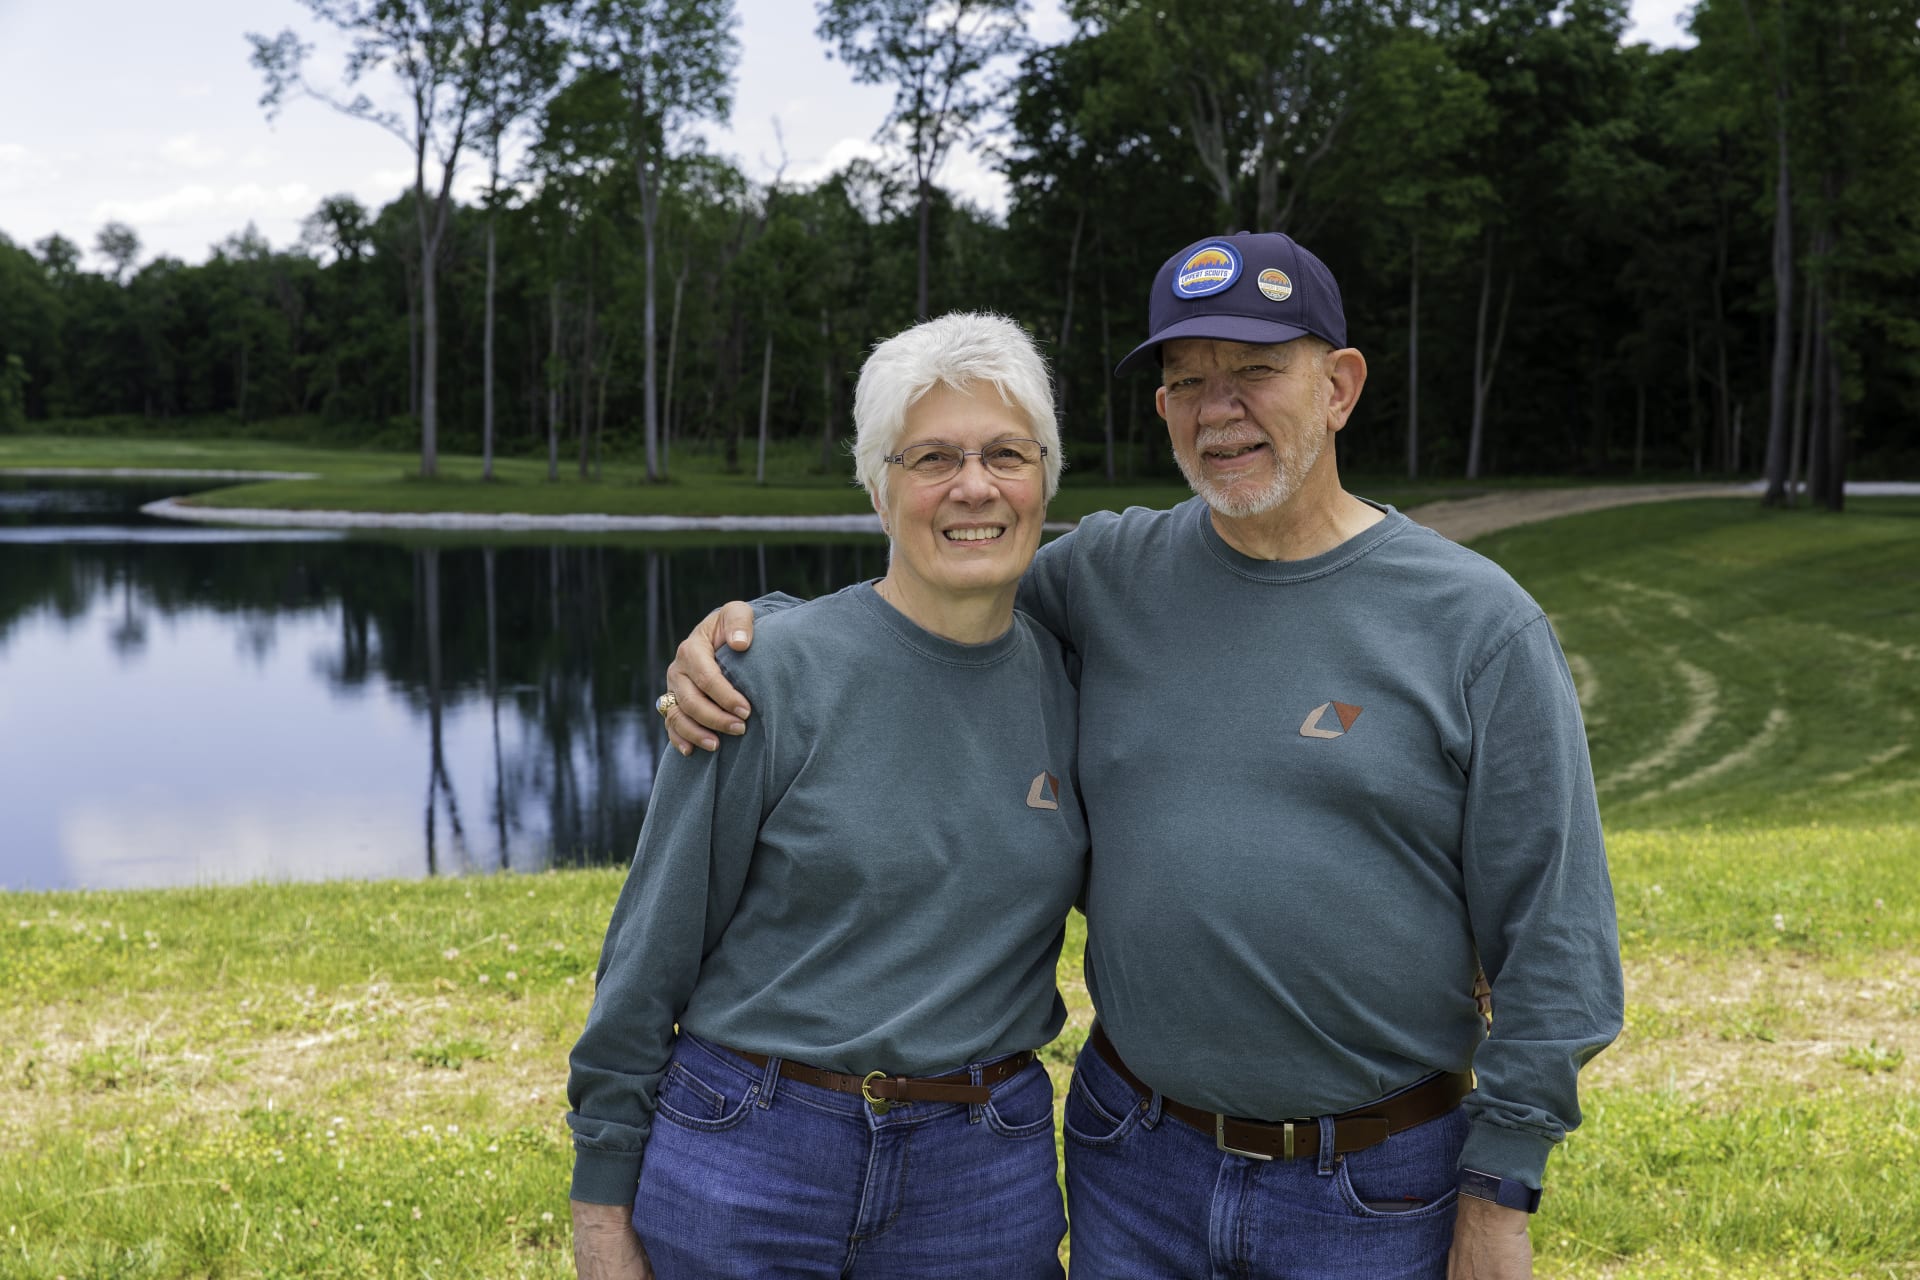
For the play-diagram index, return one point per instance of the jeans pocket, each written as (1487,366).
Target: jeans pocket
(1101,1108)
(1413,1174)
(718,1101)
(1023,1106)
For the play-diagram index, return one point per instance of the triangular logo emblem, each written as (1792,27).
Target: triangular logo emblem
(1044,793)
(1346,712)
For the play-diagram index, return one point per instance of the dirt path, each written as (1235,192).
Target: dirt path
(1468,518)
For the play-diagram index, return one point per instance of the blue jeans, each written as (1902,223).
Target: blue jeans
(751,1175)
(1152,1197)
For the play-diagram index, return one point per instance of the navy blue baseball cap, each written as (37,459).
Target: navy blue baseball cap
(1242,288)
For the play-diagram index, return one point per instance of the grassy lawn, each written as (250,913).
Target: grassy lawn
(367,1079)
(698,484)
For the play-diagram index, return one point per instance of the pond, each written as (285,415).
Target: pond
(185,705)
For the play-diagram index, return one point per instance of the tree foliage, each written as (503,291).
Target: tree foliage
(1555,249)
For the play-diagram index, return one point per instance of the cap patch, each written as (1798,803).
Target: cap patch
(1208,270)
(1274,283)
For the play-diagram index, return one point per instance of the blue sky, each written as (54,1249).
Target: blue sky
(148,113)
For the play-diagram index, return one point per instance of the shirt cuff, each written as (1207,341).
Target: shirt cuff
(605,1177)
(1506,1153)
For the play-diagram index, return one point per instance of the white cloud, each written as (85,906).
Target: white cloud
(189,152)
(242,202)
(192,198)
(196,89)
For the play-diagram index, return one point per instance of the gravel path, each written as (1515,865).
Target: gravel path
(1465,519)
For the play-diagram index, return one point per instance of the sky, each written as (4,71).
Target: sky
(149,114)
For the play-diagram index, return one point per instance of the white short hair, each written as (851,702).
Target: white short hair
(956,350)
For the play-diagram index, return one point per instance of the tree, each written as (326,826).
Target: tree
(119,244)
(934,54)
(436,50)
(519,69)
(673,61)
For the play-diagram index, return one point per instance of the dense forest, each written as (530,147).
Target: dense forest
(1561,254)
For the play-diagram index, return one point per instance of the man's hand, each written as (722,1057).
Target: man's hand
(604,1244)
(1490,1242)
(706,700)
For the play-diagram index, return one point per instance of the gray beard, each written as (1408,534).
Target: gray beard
(1240,503)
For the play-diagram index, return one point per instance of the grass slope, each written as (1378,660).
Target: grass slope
(367,1079)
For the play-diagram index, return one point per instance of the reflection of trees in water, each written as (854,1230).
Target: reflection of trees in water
(560,648)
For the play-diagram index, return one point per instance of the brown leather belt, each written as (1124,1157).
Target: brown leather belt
(1354,1130)
(881,1091)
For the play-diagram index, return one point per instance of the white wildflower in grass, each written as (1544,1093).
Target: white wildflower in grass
(483,979)
(546,1217)
(451,953)
(512,976)
(1779,922)
(416,1213)
(512,947)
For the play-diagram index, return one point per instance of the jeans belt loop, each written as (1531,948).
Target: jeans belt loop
(769,1081)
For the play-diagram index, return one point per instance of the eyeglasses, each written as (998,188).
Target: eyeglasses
(936,460)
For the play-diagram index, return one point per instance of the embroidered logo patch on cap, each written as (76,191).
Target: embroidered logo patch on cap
(1208,270)
(1274,283)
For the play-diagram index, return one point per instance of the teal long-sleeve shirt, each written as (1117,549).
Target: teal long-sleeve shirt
(1318,790)
(875,877)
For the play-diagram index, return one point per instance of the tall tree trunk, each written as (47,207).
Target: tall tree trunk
(669,420)
(1413,359)
(553,381)
(429,352)
(486,359)
(413,339)
(826,392)
(1723,386)
(1697,428)
(766,389)
(1486,360)
(1818,457)
(926,240)
(1776,493)
(1060,379)
(1106,377)
(1796,447)
(585,384)
(1639,422)
(649,223)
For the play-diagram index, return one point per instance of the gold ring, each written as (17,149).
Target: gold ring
(666,703)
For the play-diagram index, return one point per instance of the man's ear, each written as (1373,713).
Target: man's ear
(1347,371)
(1160,402)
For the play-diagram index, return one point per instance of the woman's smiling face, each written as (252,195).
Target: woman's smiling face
(973,533)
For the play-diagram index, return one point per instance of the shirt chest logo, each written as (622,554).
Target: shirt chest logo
(1044,793)
(1346,712)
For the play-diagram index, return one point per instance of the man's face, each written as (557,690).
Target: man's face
(1248,422)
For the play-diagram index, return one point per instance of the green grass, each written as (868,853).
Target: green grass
(698,482)
(272,1081)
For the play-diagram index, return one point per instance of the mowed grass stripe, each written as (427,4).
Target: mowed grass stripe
(1746,666)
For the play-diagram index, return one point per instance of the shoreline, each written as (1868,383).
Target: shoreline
(1461,519)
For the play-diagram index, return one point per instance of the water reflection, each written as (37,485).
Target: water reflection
(188,712)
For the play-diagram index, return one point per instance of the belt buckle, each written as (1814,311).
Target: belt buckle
(1220,1140)
(880,1105)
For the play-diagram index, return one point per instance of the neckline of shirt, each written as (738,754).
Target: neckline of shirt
(925,642)
(1284,571)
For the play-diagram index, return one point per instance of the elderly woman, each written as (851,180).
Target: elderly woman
(812,1045)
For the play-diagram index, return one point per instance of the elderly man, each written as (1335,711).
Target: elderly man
(1331,763)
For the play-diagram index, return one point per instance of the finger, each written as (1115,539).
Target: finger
(681,742)
(736,624)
